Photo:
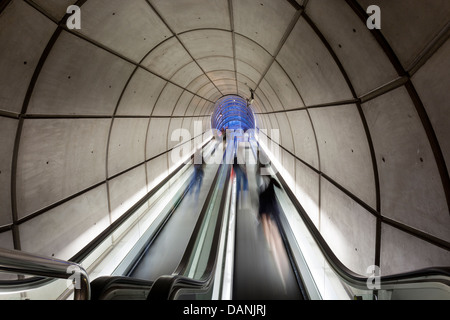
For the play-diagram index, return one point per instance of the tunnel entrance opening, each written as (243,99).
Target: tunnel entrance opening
(232,113)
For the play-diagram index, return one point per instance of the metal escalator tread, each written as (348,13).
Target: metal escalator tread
(167,249)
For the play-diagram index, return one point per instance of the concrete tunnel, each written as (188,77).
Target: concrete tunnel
(86,115)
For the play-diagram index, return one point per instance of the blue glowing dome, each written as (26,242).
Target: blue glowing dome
(232,112)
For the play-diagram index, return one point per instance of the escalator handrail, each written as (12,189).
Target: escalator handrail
(165,287)
(343,270)
(117,223)
(44,269)
(347,274)
(39,280)
(103,285)
(155,234)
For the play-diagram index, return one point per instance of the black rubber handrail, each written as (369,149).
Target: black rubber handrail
(83,253)
(103,285)
(343,271)
(334,261)
(165,287)
(117,223)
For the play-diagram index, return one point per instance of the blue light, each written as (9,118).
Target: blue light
(231,112)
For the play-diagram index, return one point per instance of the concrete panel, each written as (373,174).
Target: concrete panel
(245,83)
(260,96)
(213,94)
(196,129)
(183,103)
(177,155)
(364,61)
(344,150)
(288,170)
(431,82)
(71,160)
(66,229)
(307,191)
(216,63)
(24,33)
(206,90)
(271,96)
(166,59)
(186,124)
(141,94)
(267,123)
(348,229)
(193,105)
(285,131)
(410,185)
(187,14)
(248,71)
(256,107)
(207,109)
(126,145)
(6,240)
(200,107)
(167,101)
(404,20)
(251,53)
(197,83)
(173,136)
(216,96)
(304,138)
(157,170)
(402,252)
(125,190)
(55,8)
(8,128)
(221,74)
(225,86)
(79,79)
(157,137)
(108,22)
(207,43)
(283,87)
(312,68)
(187,74)
(251,20)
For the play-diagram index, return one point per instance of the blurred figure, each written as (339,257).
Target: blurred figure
(241,178)
(197,179)
(269,216)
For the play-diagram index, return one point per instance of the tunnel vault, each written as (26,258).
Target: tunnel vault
(86,115)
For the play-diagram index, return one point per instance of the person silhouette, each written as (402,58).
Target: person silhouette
(197,178)
(241,177)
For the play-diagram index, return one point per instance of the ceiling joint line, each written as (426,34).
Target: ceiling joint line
(283,40)
(181,42)
(233,41)
(418,103)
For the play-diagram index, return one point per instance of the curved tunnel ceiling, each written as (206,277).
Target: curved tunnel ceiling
(232,113)
(363,114)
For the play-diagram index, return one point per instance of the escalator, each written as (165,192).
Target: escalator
(262,267)
(214,247)
(259,271)
(172,239)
